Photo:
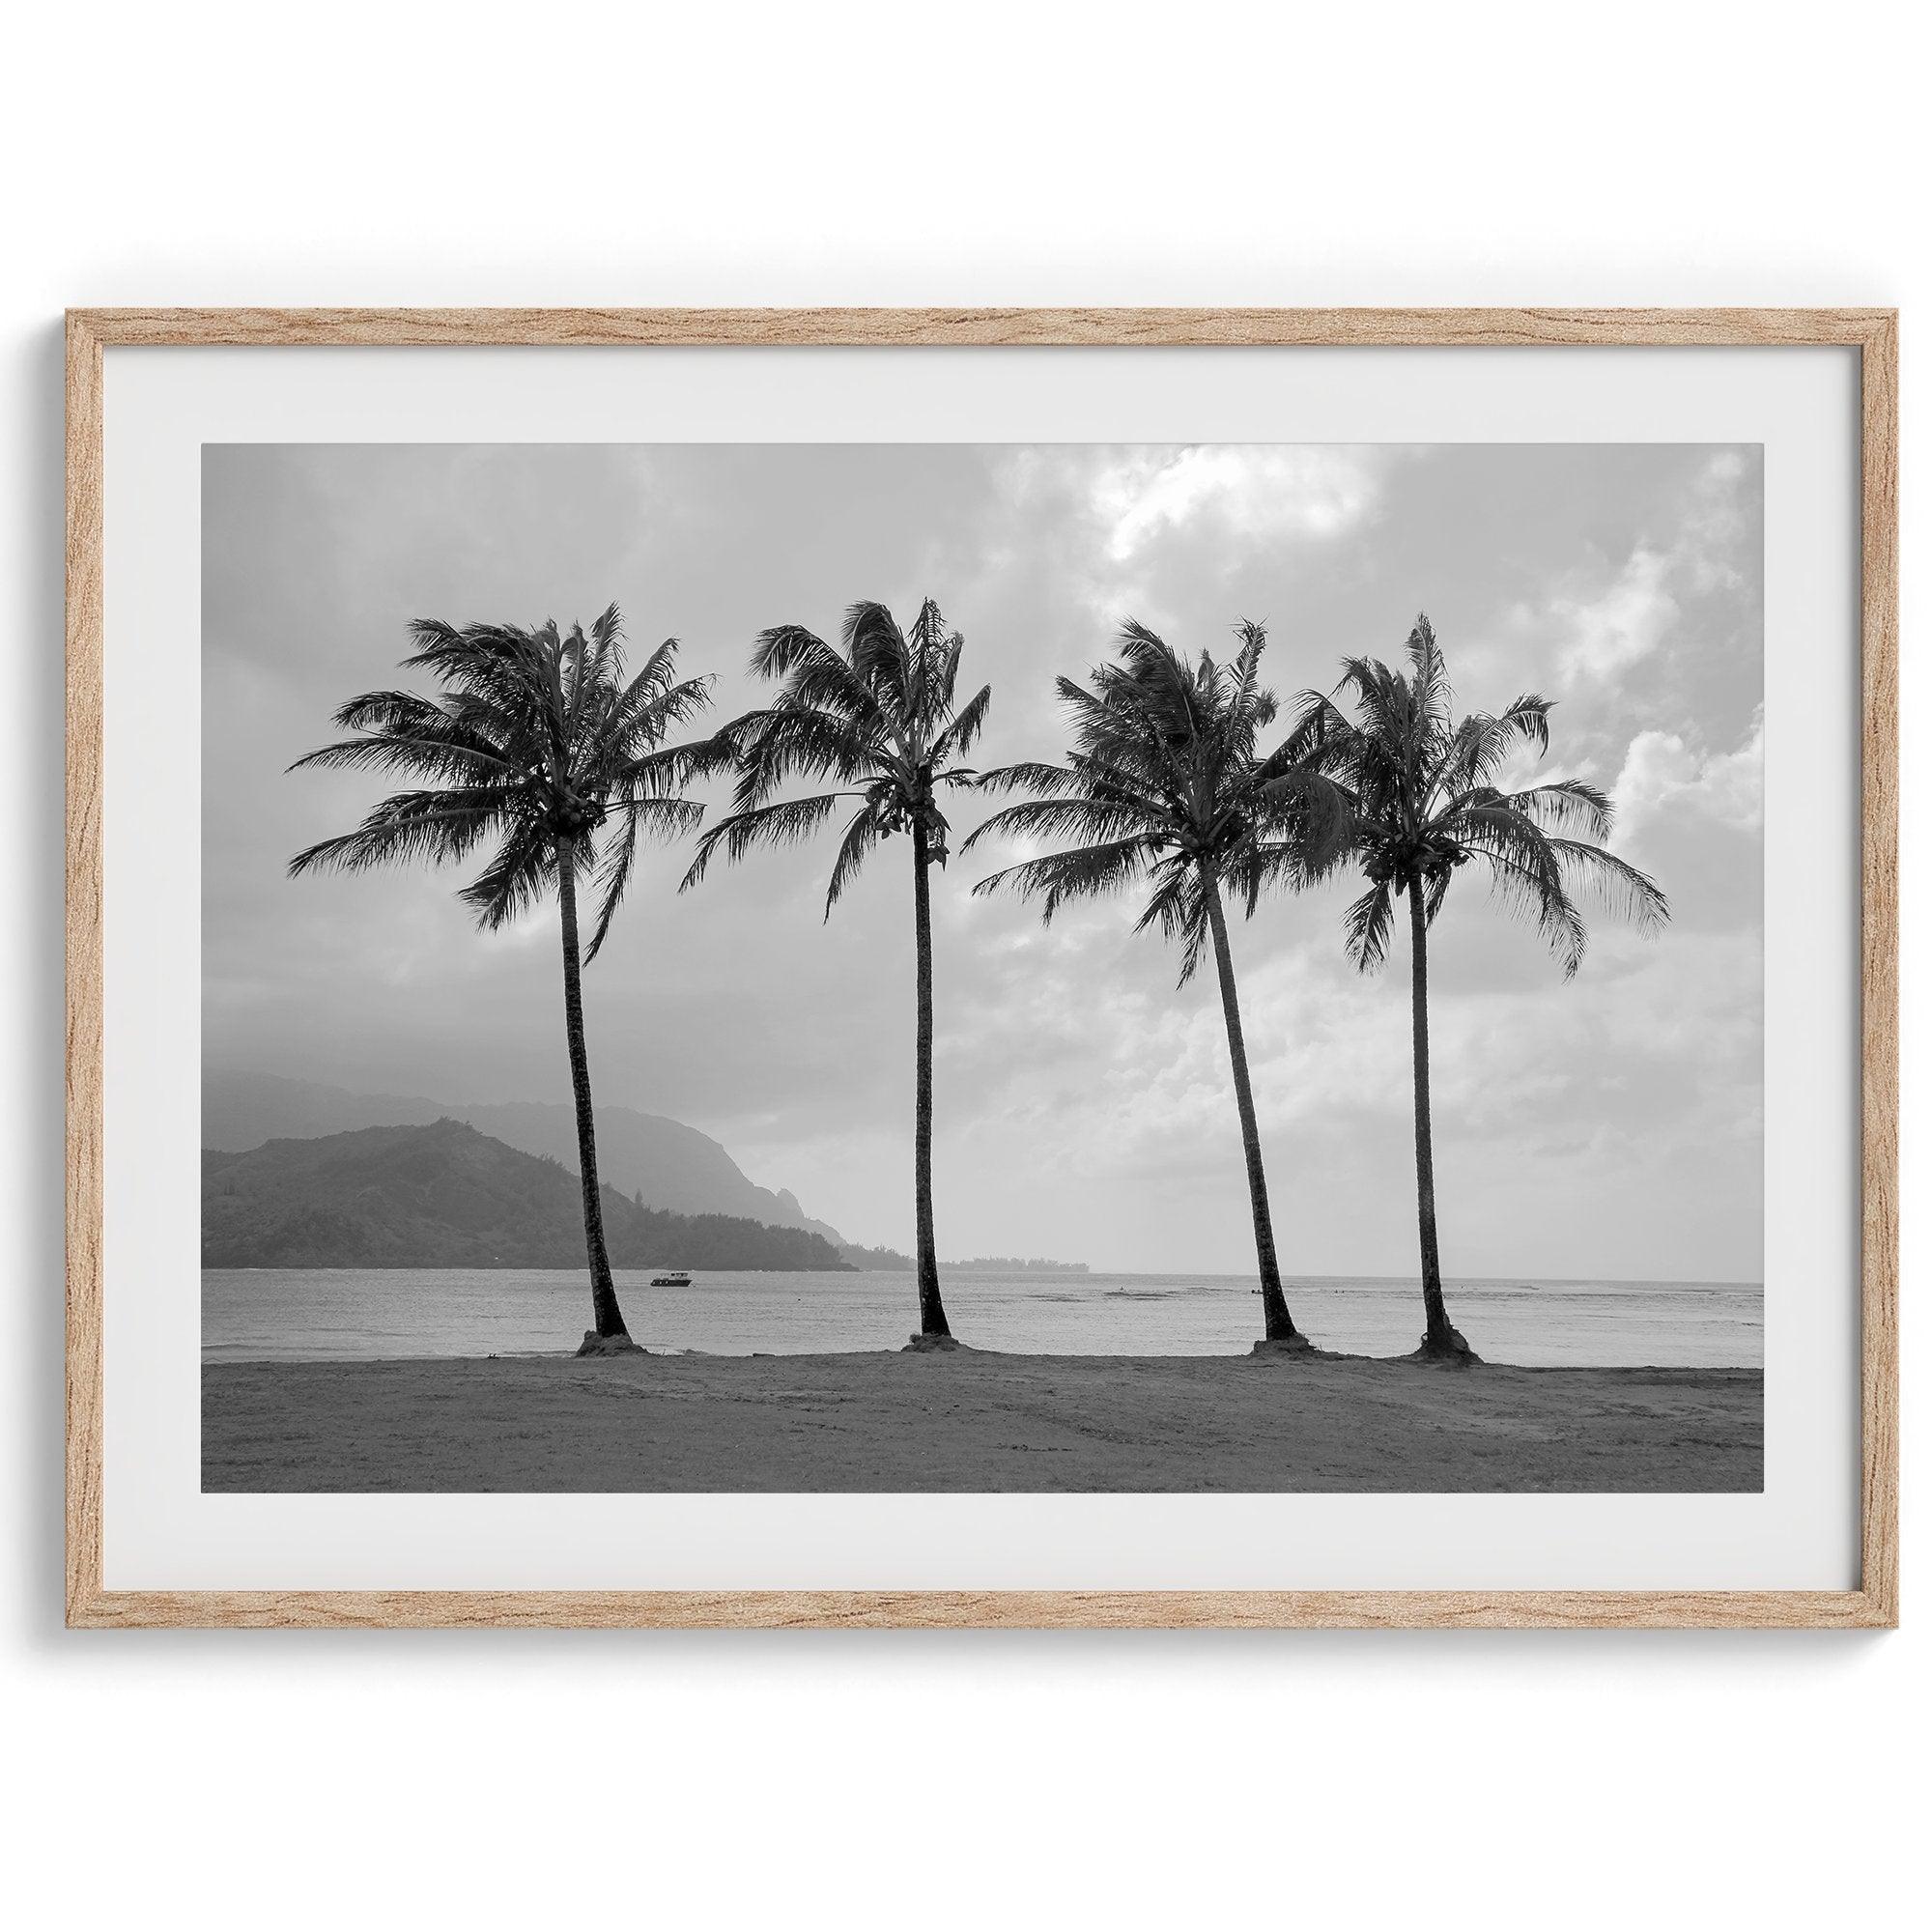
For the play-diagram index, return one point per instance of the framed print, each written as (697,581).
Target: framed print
(986,967)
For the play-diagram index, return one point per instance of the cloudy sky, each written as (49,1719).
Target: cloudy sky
(1609,1126)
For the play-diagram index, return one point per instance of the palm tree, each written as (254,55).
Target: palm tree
(541,746)
(1166,784)
(877,718)
(1421,787)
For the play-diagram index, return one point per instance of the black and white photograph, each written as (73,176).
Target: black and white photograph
(982,968)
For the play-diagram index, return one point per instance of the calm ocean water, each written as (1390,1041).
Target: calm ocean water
(254,1314)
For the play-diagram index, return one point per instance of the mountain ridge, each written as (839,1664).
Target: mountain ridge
(445,1195)
(672,1166)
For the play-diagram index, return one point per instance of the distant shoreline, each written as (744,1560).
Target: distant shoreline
(1082,1271)
(973,1422)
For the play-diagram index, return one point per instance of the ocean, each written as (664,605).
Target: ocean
(366,1314)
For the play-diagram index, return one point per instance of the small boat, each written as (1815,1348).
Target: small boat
(676,1278)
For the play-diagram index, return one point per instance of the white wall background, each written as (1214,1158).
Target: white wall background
(396,153)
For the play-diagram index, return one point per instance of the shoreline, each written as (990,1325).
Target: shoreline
(972,1422)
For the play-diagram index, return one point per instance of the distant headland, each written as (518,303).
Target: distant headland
(889,1260)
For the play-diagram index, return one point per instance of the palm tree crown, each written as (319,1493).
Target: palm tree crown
(539,743)
(1167,786)
(879,720)
(1421,789)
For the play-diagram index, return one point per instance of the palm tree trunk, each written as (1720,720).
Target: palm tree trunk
(1280,1324)
(1440,1337)
(931,1310)
(609,1316)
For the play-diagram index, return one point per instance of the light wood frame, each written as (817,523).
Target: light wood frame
(1872,332)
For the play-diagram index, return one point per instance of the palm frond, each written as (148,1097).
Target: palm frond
(1566,805)
(1478,747)
(1178,906)
(1305,811)
(797,741)
(665,769)
(1085,872)
(787,823)
(1367,924)
(814,675)
(436,825)
(1092,819)
(632,819)
(862,834)
(512,881)
(1428,681)
(419,757)
(1318,731)
(876,648)
(638,700)
(1047,781)
(1616,884)
(1529,892)
(956,740)
(933,661)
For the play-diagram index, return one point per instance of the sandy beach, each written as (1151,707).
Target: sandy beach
(973,1422)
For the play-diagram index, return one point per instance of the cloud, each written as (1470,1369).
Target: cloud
(1672,769)
(1608,634)
(1139,529)
(1715,527)
(1141,494)
(1605,629)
